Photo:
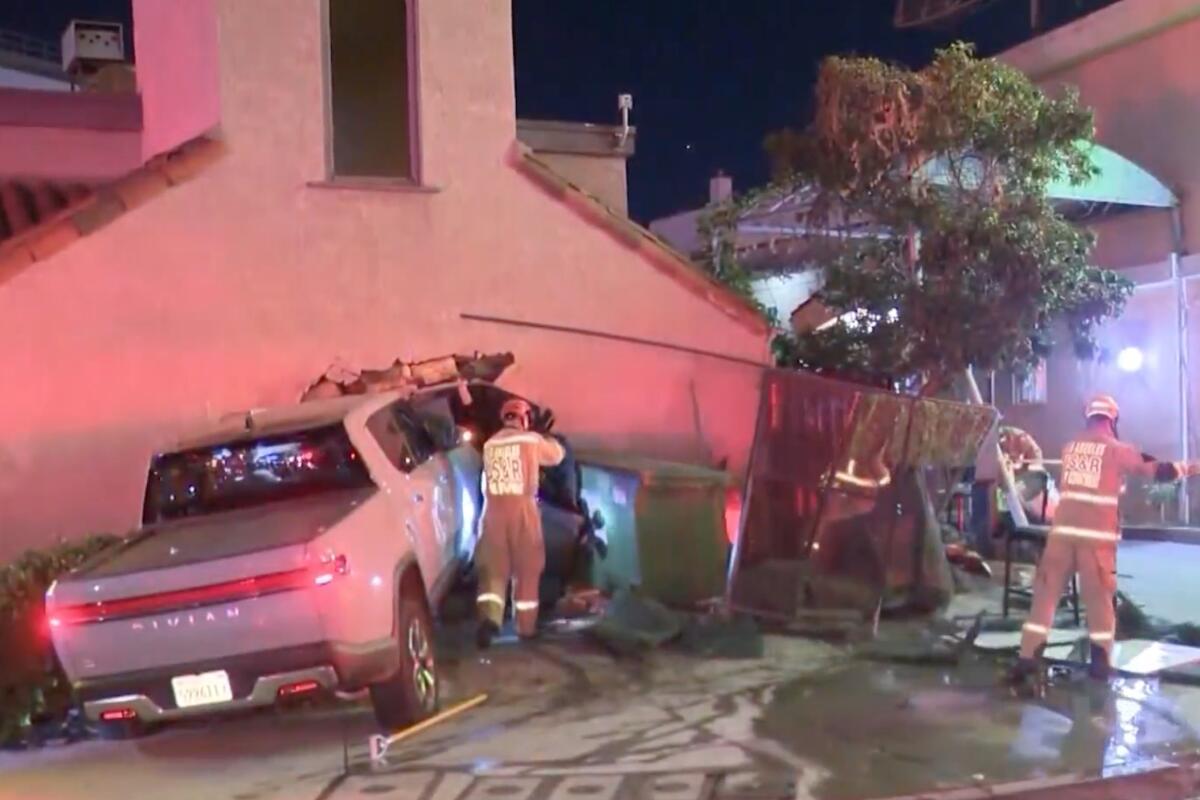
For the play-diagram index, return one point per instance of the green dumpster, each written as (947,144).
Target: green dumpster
(664,523)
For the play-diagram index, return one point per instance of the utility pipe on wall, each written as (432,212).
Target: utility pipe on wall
(1181,327)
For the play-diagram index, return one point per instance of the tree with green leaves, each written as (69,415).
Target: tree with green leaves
(957,257)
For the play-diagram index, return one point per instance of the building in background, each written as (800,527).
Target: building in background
(283,190)
(27,62)
(1132,62)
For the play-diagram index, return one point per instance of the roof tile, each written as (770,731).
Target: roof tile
(139,188)
(95,215)
(53,238)
(190,160)
(83,211)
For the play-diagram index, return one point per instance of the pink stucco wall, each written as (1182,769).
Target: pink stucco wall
(1140,79)
(237,289)
(73,136)
(177,76)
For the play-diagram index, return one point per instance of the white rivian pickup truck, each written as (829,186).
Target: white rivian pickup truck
(294,550)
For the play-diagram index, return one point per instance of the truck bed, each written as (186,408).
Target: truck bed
(225,535)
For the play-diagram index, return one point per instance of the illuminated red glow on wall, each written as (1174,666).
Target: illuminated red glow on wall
(733,514)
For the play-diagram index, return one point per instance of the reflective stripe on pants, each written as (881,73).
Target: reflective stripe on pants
(510,549)
(1092,499)
(1093,534)
(1096,562)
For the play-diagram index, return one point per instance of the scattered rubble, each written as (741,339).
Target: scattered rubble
(340,380)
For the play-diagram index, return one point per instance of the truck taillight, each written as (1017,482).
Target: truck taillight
(174,600)
(293,689)
(117,714)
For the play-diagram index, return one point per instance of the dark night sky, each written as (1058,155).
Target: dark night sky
(709,77)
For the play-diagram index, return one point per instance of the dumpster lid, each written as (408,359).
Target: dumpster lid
(650,470)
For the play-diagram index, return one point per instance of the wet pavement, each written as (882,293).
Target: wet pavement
(565,720)
(836,729)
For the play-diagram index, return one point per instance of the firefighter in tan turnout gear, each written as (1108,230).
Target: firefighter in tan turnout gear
(1084,535)
(510,544)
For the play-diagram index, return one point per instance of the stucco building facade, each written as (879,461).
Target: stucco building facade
(211,245)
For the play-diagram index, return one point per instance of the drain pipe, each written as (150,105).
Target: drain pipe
(1181,327)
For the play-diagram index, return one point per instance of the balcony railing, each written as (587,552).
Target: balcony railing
(30,46)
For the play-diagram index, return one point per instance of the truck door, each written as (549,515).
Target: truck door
(412,490)
(436,470)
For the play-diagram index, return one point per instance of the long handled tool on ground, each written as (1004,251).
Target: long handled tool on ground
(379,744)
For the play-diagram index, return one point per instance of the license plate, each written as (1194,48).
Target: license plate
(202,690)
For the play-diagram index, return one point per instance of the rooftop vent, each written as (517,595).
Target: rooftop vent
(87,47)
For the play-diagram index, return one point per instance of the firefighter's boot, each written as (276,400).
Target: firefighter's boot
(484,634)
(1098,664)
(1027,678)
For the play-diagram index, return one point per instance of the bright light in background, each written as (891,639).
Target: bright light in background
(853,319)
(1130,359)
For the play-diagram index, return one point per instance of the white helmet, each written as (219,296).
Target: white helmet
(1102,405)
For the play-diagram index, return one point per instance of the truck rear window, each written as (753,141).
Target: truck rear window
(252,472)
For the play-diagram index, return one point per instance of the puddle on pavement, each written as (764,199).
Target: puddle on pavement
(884,730)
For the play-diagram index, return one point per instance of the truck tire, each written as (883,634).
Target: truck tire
(410,695)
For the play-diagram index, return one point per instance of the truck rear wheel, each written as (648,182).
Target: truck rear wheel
(410,695)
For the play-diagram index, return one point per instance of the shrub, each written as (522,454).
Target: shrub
(32,684)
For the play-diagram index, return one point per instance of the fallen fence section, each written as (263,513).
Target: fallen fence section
(841,495)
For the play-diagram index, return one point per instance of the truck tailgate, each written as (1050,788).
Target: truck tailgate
(197,590)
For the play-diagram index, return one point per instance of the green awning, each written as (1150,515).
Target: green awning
(1118,181)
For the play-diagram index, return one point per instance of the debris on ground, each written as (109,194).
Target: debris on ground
(963,557)
(1134,623)
(579,603)
(936,642)
(830,624)
(714,636)
(633,624)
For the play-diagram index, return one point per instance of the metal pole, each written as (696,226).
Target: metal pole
(1006,477)
(1181,323)
(764,388)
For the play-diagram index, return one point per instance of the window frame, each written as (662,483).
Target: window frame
(387,416)
(413,428)
(415,179)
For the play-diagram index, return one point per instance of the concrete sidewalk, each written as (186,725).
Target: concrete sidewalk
(808,720)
